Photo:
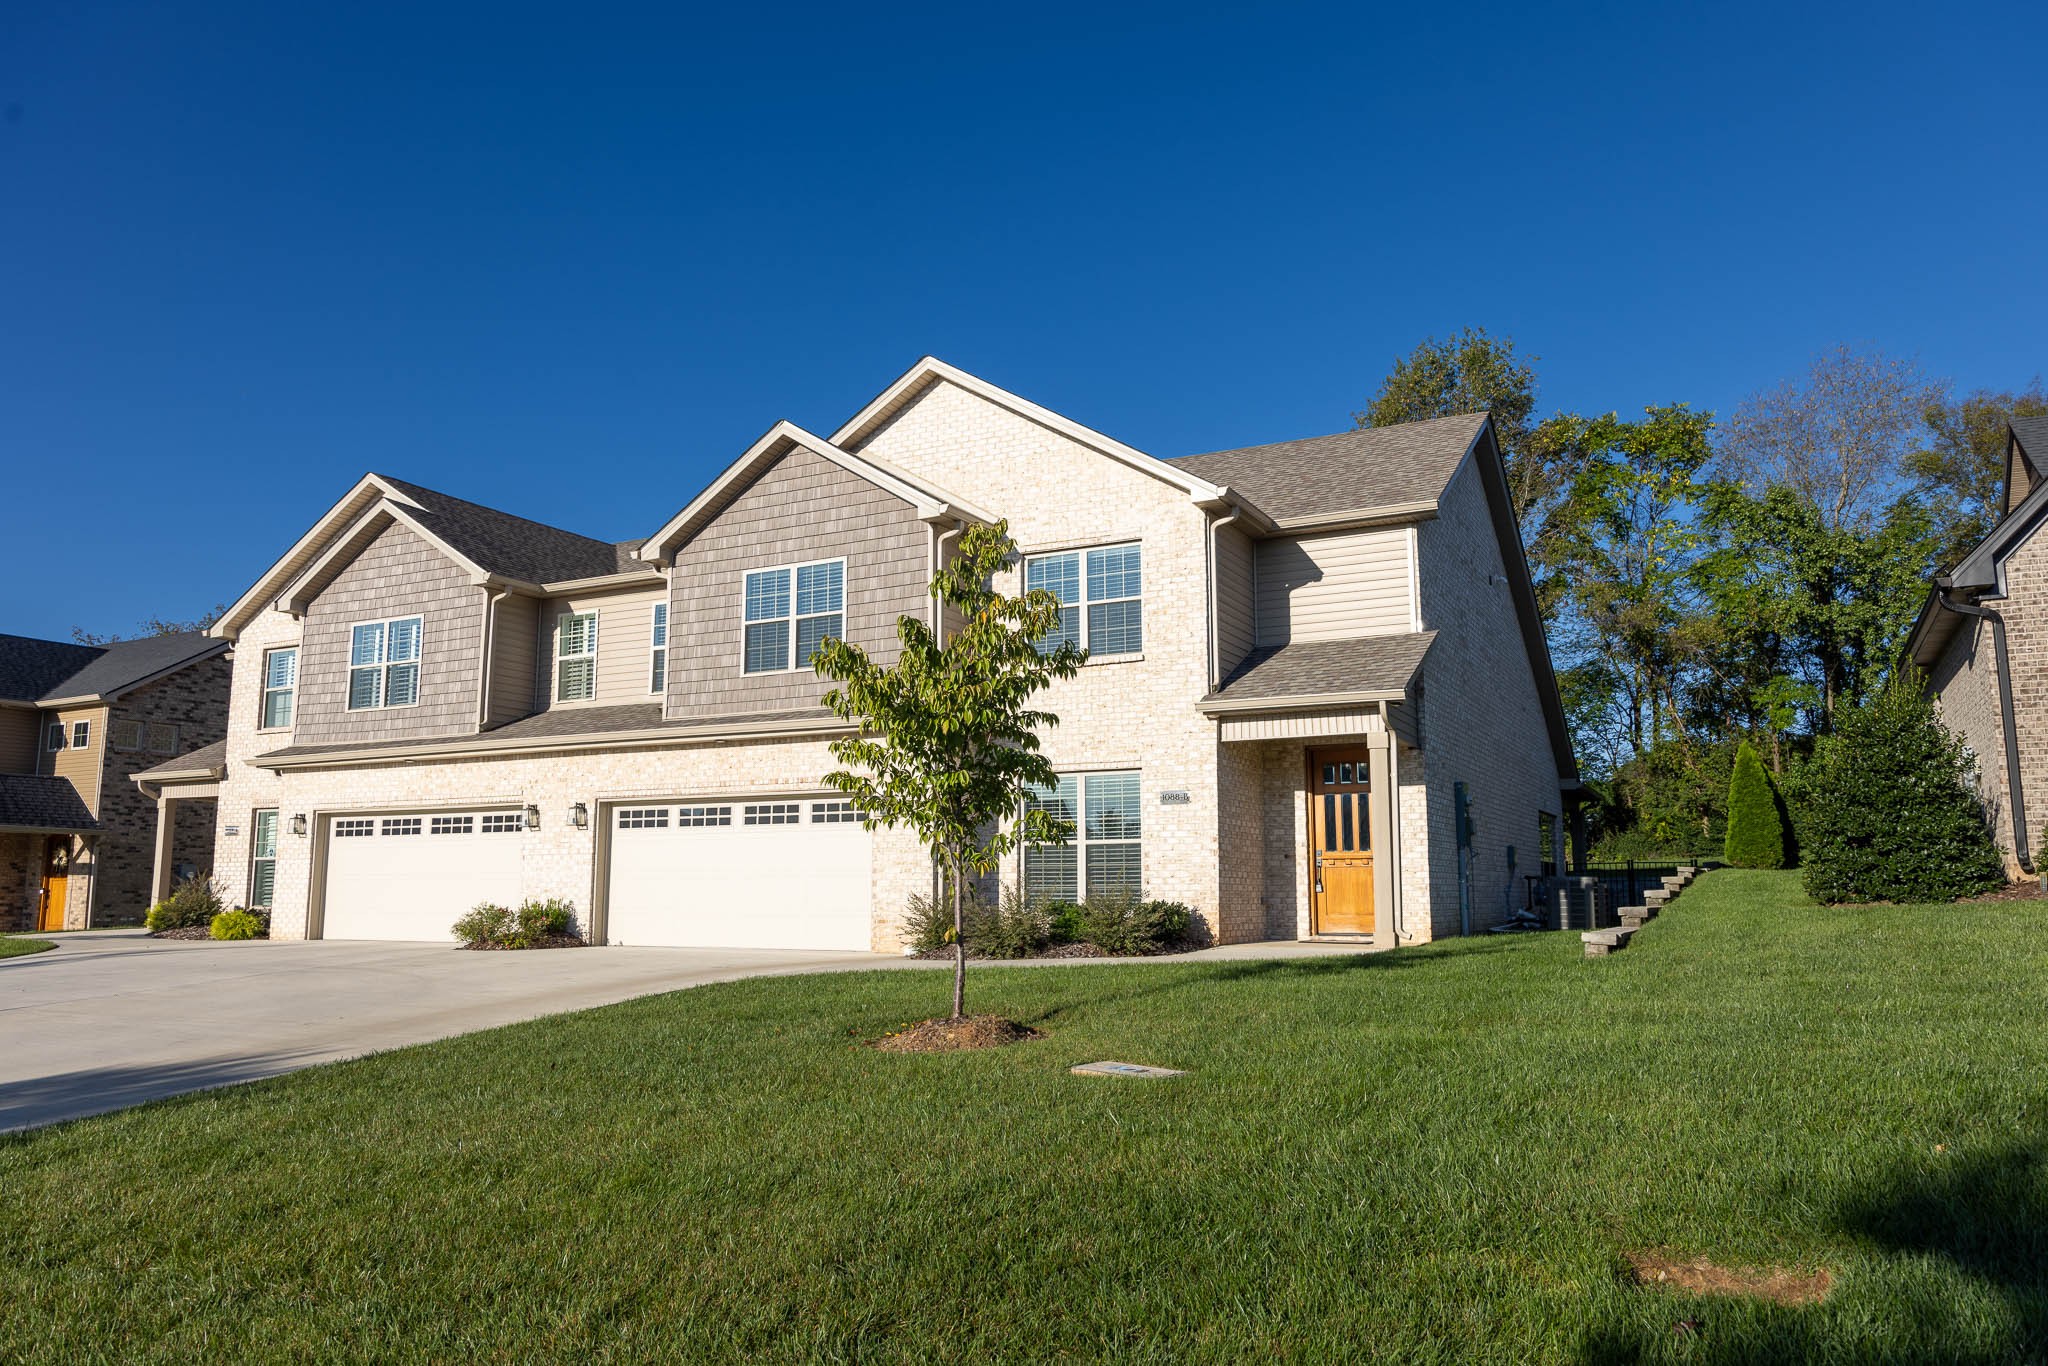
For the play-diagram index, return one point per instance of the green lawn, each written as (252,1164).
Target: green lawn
(1437,1154)
(12,946)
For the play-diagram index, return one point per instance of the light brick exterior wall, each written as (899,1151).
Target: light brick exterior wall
(1965,684)
(1137,714)
(1481,721)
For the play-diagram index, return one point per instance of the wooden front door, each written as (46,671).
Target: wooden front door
(1340,841)
(56,882)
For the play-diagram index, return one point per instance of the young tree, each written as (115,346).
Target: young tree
(949,744)
(1756,833)
(1892,812)
(1960,470)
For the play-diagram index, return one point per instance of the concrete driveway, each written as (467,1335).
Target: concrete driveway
(112,1018)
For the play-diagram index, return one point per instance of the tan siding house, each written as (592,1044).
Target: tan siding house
(1248,736)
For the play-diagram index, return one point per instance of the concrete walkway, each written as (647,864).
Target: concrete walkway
(112,1018)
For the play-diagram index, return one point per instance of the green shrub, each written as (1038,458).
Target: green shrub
(1756,830)
(195,901)
(487,924)
(1016,927)
(1892,811)
(1119,923)
(236,924)
(538,920)
(1064,921)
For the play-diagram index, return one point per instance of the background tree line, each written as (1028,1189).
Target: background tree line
(1708,582)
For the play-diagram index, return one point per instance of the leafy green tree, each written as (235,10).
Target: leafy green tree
(1891,810)
(949,743)
(1959,472)
(1756,831)
(153,626)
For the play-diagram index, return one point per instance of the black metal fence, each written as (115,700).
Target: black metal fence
(1627,879)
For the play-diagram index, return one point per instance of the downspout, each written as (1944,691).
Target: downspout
(1216,525)
(492,597)
(2021,849)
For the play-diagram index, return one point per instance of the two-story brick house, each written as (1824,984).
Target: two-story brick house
(80,843)
(1307,662)
(1982,641)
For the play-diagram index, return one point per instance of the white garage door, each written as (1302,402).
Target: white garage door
(411,875)
(743,875)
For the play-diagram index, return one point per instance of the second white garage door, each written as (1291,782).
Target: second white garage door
(412,875)
(743,875)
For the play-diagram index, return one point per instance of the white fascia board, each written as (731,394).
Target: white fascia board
(367,491)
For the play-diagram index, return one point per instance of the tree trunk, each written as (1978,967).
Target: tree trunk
(959,937)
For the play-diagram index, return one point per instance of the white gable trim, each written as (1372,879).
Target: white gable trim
(933,504)
(931,369)
(367,493)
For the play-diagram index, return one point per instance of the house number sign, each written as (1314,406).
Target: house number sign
(1173,798)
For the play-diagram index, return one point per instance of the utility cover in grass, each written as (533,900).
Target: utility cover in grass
(1122,1069)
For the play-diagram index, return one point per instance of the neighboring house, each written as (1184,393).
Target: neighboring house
(1982,640)
(1309,662)
(79,842)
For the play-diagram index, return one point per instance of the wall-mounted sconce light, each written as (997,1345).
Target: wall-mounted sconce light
(299,823)
(579,816)
(533,818)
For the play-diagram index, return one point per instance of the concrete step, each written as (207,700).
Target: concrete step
(1600,943)
(1635,917)
(1657,896)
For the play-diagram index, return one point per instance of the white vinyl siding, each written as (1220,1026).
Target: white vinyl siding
(1101,593)
(384,664)
(1236,617)
(1106,852)
(1336,587)
(576,657)
(280,687)
(623,663)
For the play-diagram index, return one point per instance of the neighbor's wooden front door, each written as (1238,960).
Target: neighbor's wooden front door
(56,882)
(1340,841)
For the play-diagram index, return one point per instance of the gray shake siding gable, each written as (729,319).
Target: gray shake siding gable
(801,508)
(397,575)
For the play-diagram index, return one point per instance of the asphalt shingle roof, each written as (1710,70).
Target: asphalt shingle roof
(30,802)
(1318,668)
(34,670)
(516,547)
(2033,435)
(1372,467)
(207,757)
(565,723)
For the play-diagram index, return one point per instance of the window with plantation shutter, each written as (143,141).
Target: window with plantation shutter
(576,657)
(383,664)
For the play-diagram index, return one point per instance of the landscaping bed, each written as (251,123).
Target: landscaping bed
(1791,1133)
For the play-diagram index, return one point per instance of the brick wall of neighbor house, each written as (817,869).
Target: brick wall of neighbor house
(397,575)
(801,508)
(1965,683)
(195,701)
(1137,714)
(1482,723)
(21,880)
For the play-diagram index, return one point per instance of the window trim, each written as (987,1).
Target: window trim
(555,668)
(1083,602)
(657,651)
(141,745)
(265,692)
(257,859)
(81,734)
(795,665)
(58,739)
(1080,843)
(384,664)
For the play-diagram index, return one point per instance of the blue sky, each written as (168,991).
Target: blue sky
(571,260)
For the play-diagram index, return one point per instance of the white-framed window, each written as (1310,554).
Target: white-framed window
(1101,593)
(280,687)
(773,813)
(452,825)
(263,857)
(55,741)
(657,672)
(354,829)
(1106,853)
(576,657)
(790,611)
(81,734)
(384,664)
(128,736)
(401,825)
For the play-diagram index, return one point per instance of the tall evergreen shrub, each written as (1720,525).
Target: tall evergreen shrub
(1756,831)
(1893,813)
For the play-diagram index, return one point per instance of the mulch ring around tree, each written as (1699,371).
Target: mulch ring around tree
(1699,1276)
(2029,890)
(951,1035)
(546,941)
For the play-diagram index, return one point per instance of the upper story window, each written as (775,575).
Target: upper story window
(576,657)
(132,736)
(81,734)
(384,664)
(657,677)
(56,738)
(791,611)
(1101,593)
(280,686)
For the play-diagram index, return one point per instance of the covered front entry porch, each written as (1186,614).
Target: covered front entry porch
(188,787)
(46,854)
